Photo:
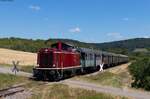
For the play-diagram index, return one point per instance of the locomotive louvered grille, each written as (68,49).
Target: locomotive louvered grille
(46,59)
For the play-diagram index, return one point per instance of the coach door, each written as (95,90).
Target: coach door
(95,60)
(83,59)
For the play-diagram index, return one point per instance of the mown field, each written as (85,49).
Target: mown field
(24,58)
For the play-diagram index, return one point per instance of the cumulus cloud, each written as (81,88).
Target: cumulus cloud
(35,7)
(75,30)
(115,35)
(125,19)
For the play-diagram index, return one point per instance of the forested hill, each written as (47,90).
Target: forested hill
(30,45)
(124,46)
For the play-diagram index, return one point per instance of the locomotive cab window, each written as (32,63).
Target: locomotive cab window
(54,46)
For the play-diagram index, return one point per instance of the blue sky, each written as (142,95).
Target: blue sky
(83,20)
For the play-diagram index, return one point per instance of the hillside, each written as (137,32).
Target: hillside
(29,45)
(24,58)
(129,44)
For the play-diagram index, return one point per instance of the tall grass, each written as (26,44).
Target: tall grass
(104,78)
(7,80)
(61,91)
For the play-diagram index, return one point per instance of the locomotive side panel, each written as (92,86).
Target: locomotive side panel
(67,59)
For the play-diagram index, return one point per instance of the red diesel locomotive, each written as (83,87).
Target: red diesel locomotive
(56,62)
(63,60)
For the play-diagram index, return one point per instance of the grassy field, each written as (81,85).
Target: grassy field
(116,77)
(26,68)
(24,58)
(105,78)
(61,91)
(42,90)
(7,80)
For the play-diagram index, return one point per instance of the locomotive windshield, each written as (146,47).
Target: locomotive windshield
(54,46)
(62,46)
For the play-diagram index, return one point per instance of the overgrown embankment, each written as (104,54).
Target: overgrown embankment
(117,77)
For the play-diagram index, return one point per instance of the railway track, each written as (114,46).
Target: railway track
(11,90)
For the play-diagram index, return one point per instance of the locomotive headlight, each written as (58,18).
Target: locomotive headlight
(46,50)
(54,65)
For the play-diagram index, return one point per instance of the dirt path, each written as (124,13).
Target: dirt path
(89,86)
(110,90)
(8,70)
(20,95)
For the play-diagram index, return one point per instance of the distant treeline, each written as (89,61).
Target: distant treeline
(30,45)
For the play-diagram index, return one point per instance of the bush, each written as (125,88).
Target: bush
(140,70)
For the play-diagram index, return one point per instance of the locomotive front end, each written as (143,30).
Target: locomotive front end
(46,66)
(45,58)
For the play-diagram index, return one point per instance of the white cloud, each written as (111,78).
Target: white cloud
(115,35)
(35,7)
(125,19)
(75,30)
(146,36)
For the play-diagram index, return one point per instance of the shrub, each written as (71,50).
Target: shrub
(140,70)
